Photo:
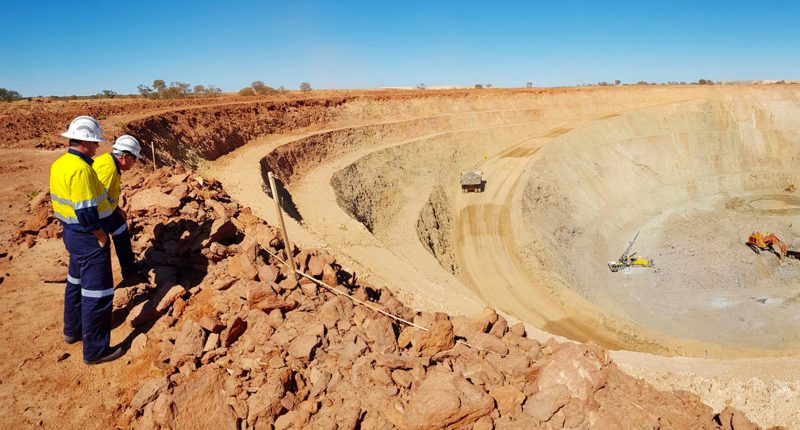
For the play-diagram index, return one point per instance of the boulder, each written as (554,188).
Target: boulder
(578,367)
(442,400)
(265,404)
(153,200)
(544,404)
(438,338)
(167,294)
(235,328)
(239,266)
(508,399)
(222,230)
(733,419)
(148,392)
(200,402)
(189,343)
(380,335)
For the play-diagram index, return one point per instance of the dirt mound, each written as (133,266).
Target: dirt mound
(234,341)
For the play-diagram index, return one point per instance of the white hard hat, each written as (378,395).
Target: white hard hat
(129,144)
(84,128)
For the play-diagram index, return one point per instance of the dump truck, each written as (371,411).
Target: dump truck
(472,181)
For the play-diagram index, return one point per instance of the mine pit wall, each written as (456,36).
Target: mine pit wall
(190,136)
(376,187)
(293,160)
(435,229)
(431,165)
(590,190)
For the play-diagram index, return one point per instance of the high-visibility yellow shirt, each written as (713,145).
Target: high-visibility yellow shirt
(78,198)
(109,174)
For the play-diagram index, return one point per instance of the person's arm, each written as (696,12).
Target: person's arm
(85,204)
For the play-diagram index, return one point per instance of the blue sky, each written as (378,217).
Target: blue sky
(63,48)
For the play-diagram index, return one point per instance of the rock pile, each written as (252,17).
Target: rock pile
(235,342)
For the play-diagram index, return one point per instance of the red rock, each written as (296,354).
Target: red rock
(154,200)
(235,329)
(518,329)
(268,274)
(239,266)
(212,342)
(303,346)
(380,335)
(265,404)
(181,191)
(148,392)
(576,366)
(499,328)
(442,400)
(488,342)
(315,266)
(438,338)
(402,378)
(508,399)
(222,230)
(544,404)
(200,402)
(211,324)
(189,343)
(166,296)
(733,419)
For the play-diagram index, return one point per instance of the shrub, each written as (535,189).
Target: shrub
(247,91)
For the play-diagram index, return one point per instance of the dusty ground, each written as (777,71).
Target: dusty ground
(386,154)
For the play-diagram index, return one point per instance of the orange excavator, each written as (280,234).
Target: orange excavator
(759,242)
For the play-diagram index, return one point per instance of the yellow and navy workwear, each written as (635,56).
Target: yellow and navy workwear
(110,175)
(79,202)
(78,197)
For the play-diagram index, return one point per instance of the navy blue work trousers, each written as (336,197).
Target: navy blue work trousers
(117,227)
(89,294)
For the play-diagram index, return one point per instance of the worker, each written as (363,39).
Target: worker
(80,204)
(109,167)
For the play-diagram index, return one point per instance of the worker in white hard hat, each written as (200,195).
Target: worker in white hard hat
(80,204)
(109,167)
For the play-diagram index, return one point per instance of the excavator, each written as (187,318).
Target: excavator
(627,259)
(760,242)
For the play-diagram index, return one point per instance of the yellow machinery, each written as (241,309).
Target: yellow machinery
(628,260)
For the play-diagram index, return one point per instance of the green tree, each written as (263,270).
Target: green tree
(199,89)
(305,86)
(145,90)
(159,85)
(262,89)
(421,86)
(529,84)
(8,95)
(478,86)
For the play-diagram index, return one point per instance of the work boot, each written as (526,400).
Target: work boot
(71,339)
(111,355)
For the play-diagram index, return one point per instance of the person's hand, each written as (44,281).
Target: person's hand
(102,237)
